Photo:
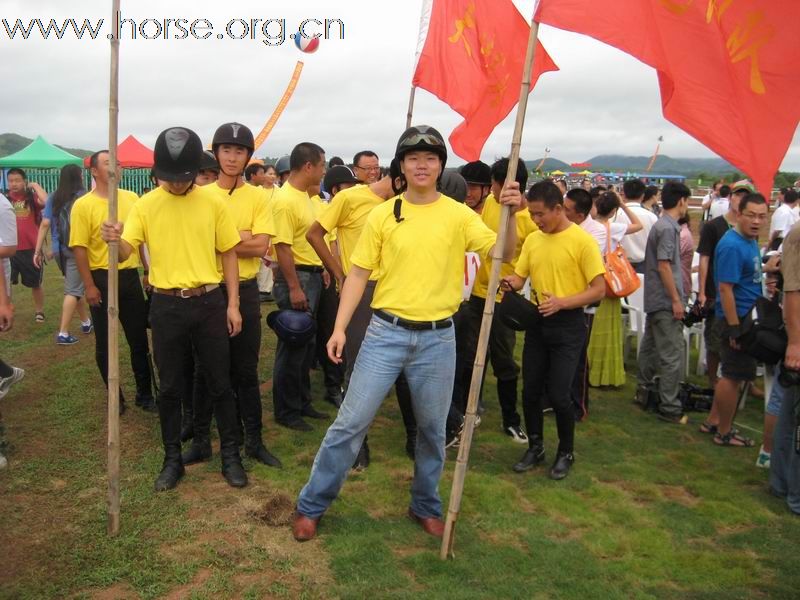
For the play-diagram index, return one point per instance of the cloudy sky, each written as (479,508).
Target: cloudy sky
(353,92)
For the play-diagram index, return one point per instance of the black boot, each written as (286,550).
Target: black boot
(187,428)
(199,451)
(362,458)
(261,454)
(229,427)
(169,417)
(561,467)
(171,473)
(411,444)
(533,456)
(146,403)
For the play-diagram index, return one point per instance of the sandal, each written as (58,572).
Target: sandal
(732,438)
(707,427)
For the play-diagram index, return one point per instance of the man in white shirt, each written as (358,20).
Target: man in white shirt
(784,217)
(721,205)
(635,243)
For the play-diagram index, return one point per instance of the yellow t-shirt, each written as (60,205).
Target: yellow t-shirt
(248,206)
(89,212)
(347,214)
(420,259)
(182,234)
(491,216)
(561,263)
(322,207)
(294,212)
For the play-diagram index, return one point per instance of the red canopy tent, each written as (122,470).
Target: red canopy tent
(131,154)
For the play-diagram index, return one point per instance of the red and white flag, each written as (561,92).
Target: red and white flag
(470,55)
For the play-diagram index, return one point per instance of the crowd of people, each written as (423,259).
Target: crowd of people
(380,276)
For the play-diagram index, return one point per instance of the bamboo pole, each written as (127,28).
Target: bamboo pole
(410,113)
(460,472)
(112,300)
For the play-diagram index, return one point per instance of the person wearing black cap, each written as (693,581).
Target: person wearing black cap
(502,339)
(417,243)
(298,283)
(233,145)
(184,226)
(347,215)
(209,169)
(283,168)
(478,176)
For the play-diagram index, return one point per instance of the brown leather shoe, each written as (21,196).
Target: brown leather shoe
(303,527)
(430,525)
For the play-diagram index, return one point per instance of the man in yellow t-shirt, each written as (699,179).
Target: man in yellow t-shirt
(502,339)
(233,146)
(91,257)
(566,272)
(417,243)
(347,215)
(185,227)
(298,284)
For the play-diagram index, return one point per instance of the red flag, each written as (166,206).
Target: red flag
(727,69)
(472,58)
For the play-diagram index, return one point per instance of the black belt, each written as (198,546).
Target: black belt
(413,325)
(243,285)
(308,268)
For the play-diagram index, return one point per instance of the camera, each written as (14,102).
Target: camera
(789,377)
(696,313)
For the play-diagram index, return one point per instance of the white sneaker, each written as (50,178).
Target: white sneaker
(516,434)
(7,382)
(762,462)
(3,462)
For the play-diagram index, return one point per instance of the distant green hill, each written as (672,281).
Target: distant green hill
(550,164)
(664,164)
(11,143)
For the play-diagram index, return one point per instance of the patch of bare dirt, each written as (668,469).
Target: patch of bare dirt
(185,591)
(119,591)
(276,510)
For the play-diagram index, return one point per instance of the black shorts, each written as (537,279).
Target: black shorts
(22,268)
(736,364)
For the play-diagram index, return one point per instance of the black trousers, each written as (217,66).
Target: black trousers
(244,353)
(501,354)
(199,322)
(580,383)
(133,317)
(549,360)
(326,318)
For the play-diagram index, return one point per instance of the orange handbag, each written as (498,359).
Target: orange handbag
(621,278)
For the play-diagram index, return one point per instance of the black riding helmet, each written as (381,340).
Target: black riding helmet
(477,173)
(177,154)
(421,137)
(234,134)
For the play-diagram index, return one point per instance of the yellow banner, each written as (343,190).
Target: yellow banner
(267,129)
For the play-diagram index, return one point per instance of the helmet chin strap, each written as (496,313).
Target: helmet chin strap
(235,177)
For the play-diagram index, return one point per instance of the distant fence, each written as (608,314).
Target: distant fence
(135,180)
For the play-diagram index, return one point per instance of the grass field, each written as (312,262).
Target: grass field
(650,510)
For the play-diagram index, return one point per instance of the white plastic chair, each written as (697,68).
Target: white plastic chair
(634,325)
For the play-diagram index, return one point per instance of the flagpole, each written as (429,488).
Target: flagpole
(460,471)
(113,287)
(410,112)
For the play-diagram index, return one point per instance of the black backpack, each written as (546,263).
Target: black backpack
(763,332)
(63,224)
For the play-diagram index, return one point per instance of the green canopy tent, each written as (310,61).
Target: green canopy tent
(41,161)
(40,154)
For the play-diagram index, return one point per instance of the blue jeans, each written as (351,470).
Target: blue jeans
(291,382)
(784,473)
(428,359)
